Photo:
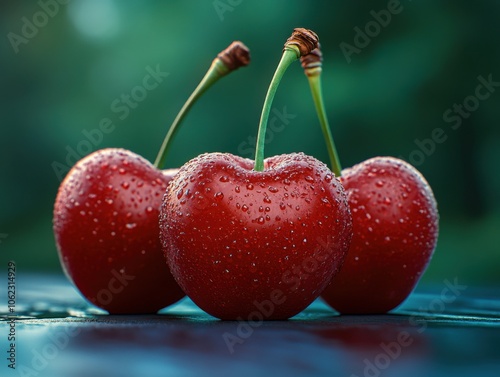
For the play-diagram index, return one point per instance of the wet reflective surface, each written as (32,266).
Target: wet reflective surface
(435,333)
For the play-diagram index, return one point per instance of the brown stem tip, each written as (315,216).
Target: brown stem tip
(304,40)
(312,60)
(236,55)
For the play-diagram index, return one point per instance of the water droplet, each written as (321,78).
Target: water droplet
(261,209)
(219,196)
(149,209)
(282,206)
(387,239)
(379,183)
(309,179)
(82,213)
(121,171)
(180,193)
(113,234)
(244,208)
(131,225)
(223,179)
(250,186)
(267,199)
(109,201)
(125,185)
(328,178)
(261,220)
(237,189)
(273,189)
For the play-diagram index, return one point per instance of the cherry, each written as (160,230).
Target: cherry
(106,218)
(106,226)
(257,243)
(395,224)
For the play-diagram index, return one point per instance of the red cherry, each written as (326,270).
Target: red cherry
(106,229)
(240,241)
(395,226)
(106,217)
(395,223)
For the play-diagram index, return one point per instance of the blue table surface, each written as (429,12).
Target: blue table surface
(59,335)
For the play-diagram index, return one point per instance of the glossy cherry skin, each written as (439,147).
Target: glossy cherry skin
(254,245)
(395,231)
(107,235)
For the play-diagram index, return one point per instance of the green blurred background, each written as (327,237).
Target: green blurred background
(61,78)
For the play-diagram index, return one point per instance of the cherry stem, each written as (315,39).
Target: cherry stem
(301,43)
(288,57)
(312,68)
(230,59)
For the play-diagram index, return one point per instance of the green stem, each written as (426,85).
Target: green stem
(217,70)
(290,54)
(317,94)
